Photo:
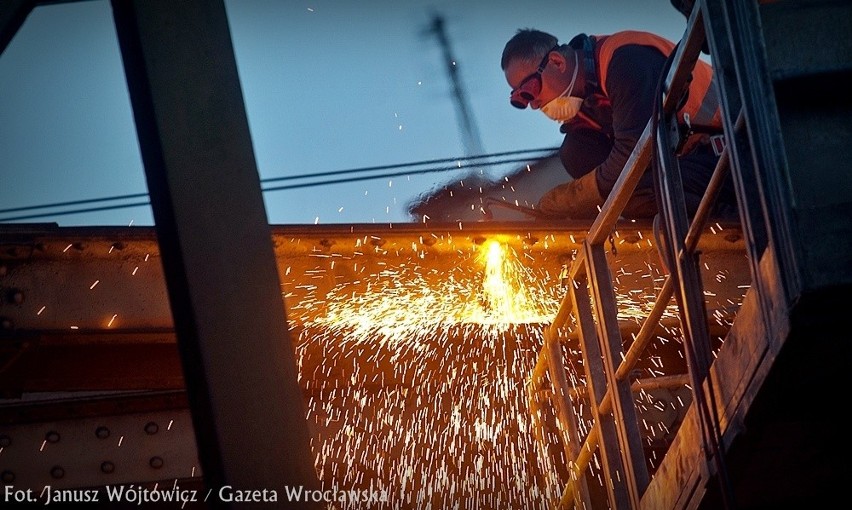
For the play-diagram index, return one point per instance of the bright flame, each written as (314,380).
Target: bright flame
(506,297)
(407,303)
(504,293)
(496,287)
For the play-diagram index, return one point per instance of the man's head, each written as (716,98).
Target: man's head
(538,69)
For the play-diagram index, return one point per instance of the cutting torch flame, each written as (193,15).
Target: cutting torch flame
(505,299)
(497,291)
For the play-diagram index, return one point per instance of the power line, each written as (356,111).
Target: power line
(74,202)
(324,182)
(77,211)
(393,174)
(405,165)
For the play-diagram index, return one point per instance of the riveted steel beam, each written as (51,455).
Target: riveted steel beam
(216,252)
(110,440)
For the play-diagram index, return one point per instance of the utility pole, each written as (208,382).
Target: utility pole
(470,134)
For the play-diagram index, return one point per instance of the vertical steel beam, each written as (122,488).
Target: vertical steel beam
(750,198)
(215,241)
(748,50)
(742,166)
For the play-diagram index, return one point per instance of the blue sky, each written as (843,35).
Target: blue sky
(328,85)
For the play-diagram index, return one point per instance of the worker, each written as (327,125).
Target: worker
(602,91)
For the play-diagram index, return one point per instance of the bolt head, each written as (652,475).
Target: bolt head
(102,432)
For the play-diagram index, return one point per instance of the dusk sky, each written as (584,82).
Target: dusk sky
(328,85)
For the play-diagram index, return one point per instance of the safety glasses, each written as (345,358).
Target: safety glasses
(530,87)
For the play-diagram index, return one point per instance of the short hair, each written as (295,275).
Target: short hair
(529,45)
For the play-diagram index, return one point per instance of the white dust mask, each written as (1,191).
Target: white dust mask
(565,106)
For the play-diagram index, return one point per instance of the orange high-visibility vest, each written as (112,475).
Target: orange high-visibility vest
(702,105)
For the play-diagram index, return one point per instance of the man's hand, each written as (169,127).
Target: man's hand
(578,199)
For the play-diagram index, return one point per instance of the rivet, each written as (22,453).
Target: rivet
(5,441)
(107,467)
(102,432)
(15,296)
(156,462)
(57,472)
(6,324)
(4,270)
(52,437)
(151,428)
(7,477)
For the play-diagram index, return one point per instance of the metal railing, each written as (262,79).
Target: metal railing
(591,301)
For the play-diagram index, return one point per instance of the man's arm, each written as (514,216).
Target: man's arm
(583,150)
(631,82)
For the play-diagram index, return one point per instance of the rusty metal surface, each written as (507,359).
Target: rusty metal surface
(100,292)
(103,279)
(101,450)
(392,364)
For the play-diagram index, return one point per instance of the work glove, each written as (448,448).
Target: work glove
(578,199)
